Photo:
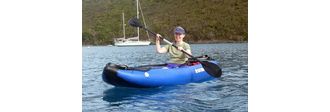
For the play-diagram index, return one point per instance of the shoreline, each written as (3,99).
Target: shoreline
(215,42)
(189,42)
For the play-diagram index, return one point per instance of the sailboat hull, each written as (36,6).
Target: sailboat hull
(132,43)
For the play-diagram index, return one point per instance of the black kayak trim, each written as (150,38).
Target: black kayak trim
(110,76)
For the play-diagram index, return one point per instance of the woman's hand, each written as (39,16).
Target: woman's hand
(158,37)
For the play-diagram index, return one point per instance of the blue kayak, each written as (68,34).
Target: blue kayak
(154,75)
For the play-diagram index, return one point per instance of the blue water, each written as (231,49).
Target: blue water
(226,94)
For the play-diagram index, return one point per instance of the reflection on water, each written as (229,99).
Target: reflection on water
(118,94)
(228,93)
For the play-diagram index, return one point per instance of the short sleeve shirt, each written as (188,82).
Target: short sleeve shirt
(176,56)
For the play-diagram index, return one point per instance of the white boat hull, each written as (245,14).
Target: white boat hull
(132,43)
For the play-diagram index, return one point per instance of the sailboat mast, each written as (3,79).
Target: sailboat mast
(137,16)
(124,24)
(144,22)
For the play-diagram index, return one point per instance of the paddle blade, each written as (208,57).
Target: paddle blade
(212,68)
(134,22)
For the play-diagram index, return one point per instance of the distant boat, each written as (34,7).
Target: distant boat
(131,41)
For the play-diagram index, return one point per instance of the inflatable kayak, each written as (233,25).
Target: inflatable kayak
(154,75)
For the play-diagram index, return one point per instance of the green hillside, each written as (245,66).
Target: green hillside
(204,20)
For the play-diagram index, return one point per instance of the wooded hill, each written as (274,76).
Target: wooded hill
(203,20)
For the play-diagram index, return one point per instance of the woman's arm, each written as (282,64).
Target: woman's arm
(159,49)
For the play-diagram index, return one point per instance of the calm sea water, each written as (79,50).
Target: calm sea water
(226,94)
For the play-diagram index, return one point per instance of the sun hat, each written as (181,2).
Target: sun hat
(180,30)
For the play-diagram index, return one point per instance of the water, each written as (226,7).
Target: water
(226,94)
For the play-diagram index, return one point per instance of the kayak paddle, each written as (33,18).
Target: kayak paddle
(211,68)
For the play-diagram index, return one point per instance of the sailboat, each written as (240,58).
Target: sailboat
(131,41)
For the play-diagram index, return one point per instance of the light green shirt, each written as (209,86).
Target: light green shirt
(176,56)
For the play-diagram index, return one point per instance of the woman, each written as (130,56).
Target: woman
(177,57)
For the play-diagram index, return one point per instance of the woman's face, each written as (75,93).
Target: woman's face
(178,37)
